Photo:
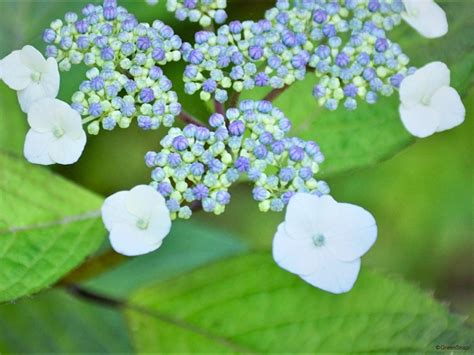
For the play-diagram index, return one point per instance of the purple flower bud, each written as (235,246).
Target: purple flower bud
(201,37)
(209,85)
(83,42)
(255,52)
(195,57)
(278,147)
(180,143)
(329,30)
(164,188)
(222,134)
(144,122)
(95,109)
(49,35)
(381,45)
(242,164)
(190,4)
(284,124)
(202,133)
(260,194)
(305,173)
(342,59)
(266,138)
(236,128)
(110,12)
(350,90)
(174,159)
(289,38)
(320,16)
(143,43)
(147,95)
(260,152)
(200,191)
(296,153)
(235,27)
(155,73)
(323,51)
(287,196)
(299,61)
(166,32)
(369,74)
(374,5)
(197,169)
(216,166)
(363,58)
(97,83)
(396,80)
(150,159)
(223,61)
(286,174)
(216,120)
(319,91)
(312,148)
(223,197)
(237,58)
(261,79)
(81,26)
(107,54)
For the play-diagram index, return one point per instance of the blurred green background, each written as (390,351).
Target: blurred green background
(422,197)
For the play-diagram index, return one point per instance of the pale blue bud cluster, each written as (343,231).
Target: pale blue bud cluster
(202,11)
(126,81)
(346,46)
(200,164)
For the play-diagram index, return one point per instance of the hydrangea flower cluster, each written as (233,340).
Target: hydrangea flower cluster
(125,81)
(200,164)
(202,11)
(346,47)
(345,43)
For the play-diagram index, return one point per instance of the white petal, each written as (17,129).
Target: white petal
(143,200)
(306,214)
(352,232)
(50,79)
(30,95)
(70,122)
(42,115)
(421,121)
(333,275)
(423,83)
(33,59)
(425,16)
(37,146)
(450,107)
(298,256)
(129,240)
(114,211)
(66,150)
(15,73)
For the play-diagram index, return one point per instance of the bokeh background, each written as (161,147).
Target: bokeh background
(422,197)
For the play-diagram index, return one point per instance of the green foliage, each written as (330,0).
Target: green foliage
(247,304)
(56,322)
(188,246)
(46,227)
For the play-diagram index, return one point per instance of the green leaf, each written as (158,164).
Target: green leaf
(188,246)
(56,322)
(372,133)
(248,304)
(47,227)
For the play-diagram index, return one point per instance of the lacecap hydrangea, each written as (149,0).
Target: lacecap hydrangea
(125,81)
(199,164)
(346,46)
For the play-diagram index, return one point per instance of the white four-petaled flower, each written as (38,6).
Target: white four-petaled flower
(31,75)
(56,134)
(138,220)
(322,241)
(428,103)
(425,16)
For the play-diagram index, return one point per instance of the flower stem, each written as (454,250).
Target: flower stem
(272,95)
(218,107)
(234,99)
(188,118)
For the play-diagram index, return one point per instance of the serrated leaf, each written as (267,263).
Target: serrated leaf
(372,133)
(48,225)
(248,304)
(56,322)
